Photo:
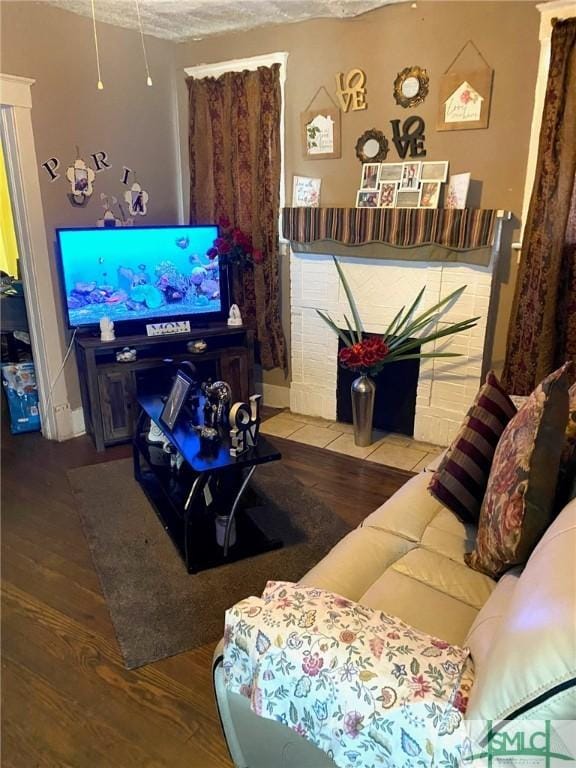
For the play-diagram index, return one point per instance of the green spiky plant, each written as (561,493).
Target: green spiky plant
(399,338)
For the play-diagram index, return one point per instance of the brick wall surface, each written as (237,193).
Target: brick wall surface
(381,288)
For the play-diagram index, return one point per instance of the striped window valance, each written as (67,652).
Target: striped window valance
(465,229)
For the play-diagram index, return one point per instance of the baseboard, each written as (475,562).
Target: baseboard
(78,425)
(273,395)
(69,423)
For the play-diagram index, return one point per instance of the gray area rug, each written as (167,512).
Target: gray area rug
(157,608)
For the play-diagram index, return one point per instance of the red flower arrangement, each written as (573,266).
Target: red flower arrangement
(366,356)
(234,246)
(369,354)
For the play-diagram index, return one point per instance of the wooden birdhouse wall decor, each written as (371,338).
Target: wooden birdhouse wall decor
(465,94)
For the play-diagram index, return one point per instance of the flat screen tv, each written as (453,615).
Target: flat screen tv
(140,274)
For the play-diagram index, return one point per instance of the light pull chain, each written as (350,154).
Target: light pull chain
(100,83)
(148,78)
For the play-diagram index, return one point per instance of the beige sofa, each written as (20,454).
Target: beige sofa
(407,558)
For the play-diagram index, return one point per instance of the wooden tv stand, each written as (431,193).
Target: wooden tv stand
(109,388)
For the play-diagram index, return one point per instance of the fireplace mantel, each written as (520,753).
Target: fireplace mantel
(467,236)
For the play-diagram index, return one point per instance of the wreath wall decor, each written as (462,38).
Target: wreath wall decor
(372,147)
(411,86)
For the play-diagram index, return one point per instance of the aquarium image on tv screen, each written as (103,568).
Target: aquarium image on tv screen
(133,273)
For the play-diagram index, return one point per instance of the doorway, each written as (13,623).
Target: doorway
(17,366)
(47,350)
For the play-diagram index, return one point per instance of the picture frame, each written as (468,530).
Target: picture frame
(367,198)
(370,176)
(410,175)
(407,198)
(176,399)
(306,192)
(457,193)
(434,171)
(321,134)
(464,99)
(390,172)
(430,194)
(387,196)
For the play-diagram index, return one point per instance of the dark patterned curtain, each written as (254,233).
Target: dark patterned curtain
(542,333)
(234,147)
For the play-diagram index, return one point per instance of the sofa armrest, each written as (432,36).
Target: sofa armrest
(224,707)
(435,463)
(253,741)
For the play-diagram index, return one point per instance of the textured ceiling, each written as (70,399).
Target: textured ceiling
(181,20)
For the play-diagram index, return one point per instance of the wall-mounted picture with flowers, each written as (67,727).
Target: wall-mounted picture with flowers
(464,100)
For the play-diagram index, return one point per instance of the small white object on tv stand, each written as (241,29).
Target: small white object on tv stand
(234,318)
(107,329)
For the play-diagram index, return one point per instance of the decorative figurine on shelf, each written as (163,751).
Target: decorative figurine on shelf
(218,396)
(234,317)
(155,434)
(197,347)
(209,440)
(107,329)
(157,437)
(245,423)
(126,355)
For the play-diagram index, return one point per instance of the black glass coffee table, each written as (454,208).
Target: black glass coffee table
(200,503)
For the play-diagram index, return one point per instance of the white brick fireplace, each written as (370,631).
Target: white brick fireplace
(381,287)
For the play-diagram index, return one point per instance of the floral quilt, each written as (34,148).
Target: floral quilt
(363,686)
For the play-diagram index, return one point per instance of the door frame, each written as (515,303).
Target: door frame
(34,256)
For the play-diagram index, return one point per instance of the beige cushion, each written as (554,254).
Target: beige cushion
(446,576)
(420,605)
(484,631)
(449,536)
(432,593)
(407,559)
(356,562)
(408,512)
(523,641)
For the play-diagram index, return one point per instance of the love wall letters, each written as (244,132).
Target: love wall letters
(412,137)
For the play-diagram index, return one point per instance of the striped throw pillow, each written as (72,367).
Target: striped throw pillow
(460,481)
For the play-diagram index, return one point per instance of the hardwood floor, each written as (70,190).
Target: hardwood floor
(68,701)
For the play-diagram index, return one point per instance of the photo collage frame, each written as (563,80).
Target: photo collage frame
(413,184)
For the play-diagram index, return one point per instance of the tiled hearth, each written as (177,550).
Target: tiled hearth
(389,449)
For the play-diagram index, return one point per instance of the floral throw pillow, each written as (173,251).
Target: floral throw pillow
(363,686)
(519,500)
(460,481)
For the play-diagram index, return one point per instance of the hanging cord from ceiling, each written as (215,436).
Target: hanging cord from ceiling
(148,78)
(100,83)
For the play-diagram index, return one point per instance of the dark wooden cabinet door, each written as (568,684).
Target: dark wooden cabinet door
(117,404)
(234,370)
